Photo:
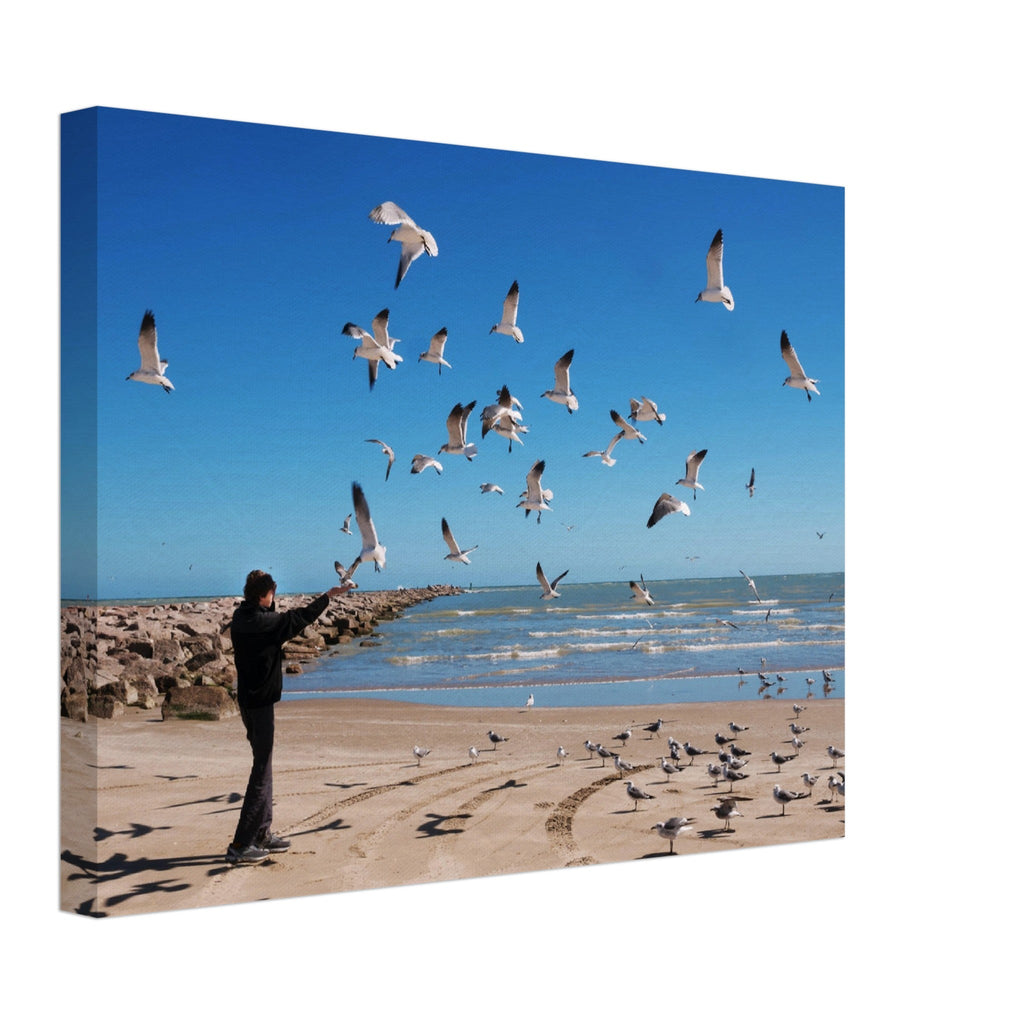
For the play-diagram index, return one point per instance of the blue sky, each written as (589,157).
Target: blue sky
(252,245)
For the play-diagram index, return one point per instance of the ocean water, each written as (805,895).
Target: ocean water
(597,646)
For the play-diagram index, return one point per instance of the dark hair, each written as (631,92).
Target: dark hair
(257,584)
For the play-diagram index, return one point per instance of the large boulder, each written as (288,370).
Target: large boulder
(210,703)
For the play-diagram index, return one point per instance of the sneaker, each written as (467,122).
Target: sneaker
(274,844)
(246,855)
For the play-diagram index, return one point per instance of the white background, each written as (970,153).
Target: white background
(918,118)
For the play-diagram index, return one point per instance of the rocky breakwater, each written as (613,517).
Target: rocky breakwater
(178,656)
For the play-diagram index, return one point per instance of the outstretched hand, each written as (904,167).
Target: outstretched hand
(342,590)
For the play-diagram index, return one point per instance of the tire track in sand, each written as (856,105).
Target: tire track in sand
(559,821)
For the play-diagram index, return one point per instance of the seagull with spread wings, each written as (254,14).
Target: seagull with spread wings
(375,348)
(415,241)
(562,393)
(457,554)
(151,366)
(797,378)
(716,290)
(548,590)
(509,312)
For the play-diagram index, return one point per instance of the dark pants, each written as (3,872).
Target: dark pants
(254,819)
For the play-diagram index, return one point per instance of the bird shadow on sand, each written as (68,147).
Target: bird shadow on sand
(337,825)
(433,826)
(345,785)
(120,866)
(229,798)
(135,830)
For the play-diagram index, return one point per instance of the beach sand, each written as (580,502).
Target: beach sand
(146,829)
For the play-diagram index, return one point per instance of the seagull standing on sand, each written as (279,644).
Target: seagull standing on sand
(591,747)
(716,290)
(724,810)
(691,751)
(835,753)
(457,554)
(645,410)
(456,427)
(780,759)
(387,450)
(496,739)
(474,754)
(509,312)
(653,729)
(435,351)
(422,462)
(623,736)
(786,796)
(630,433)
(738,728)
(666,505)
(670,769)
(529,701)
(419,753)
(693,461)
(751,584)
(562,755)
(636,794)
(548,590)
(797,708)
(151,366)
(797,378)
(562,393)
(640,591)
(836,786)
(606,455)
(373,550)
(671,829)
(375,348)
(415,240)
(796,730)
(603,753)
(809,780)
(535,498)
(623,766)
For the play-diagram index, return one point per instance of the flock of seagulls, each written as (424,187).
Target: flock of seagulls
(504,416)
(731,764)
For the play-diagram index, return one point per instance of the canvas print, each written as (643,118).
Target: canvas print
(432,512)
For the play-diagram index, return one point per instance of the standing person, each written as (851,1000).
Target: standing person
(258,632)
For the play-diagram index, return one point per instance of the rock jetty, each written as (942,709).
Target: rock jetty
(178,656)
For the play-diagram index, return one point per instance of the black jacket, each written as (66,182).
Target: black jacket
(256,636)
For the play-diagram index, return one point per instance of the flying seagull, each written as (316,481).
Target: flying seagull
(456,426)
(535,498)
(377,347)
(345,528)
(490,489)
(750,583)
(562,392)
(644,410)
(797,378)
(693,461)
(387,450)
(151,366)
(750,484)
(414,239)
(422,462)
(435,352)
(716,290)
(640,591)
(504,418)
(628,430)
(665,506)
(373,550)
(548,589)
(344,575)
(671,829)
(606,455)
(509,311)
(457,554)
